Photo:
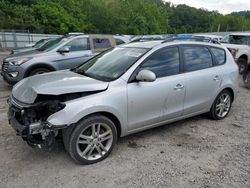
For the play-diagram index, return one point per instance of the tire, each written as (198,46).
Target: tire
(86,146)
(219,111)
(246,79)
(38,71)
(242,65)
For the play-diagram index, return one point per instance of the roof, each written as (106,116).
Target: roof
(241,34)
(161,43)
(211,36)
(146,44)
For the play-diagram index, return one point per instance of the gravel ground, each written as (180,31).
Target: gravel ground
(196,152)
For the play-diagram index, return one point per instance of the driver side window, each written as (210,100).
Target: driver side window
(78,44)
(164,62)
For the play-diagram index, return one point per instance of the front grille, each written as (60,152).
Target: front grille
(5,66)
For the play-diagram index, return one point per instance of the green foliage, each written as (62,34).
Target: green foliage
(245,14)
(114,16)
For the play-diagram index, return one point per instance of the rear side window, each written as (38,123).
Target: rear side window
(219,55)
(196,58)
(100,43)
(164,62)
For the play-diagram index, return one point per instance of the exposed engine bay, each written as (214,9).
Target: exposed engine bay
(30,121)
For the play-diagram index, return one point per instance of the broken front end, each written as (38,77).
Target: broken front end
(30,121)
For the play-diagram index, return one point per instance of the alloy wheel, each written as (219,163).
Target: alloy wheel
(94,141)
(223,105)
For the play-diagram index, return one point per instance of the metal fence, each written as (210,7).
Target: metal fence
(14,39)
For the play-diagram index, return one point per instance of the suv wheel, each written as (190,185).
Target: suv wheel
(221,106)
(246,79)
(92,140)
(242,65)
(38,71)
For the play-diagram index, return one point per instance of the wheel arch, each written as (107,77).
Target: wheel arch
(109,115)
(39,65)
(243,56)
(231,92)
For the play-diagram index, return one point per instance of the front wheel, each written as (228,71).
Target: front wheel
(92,140)
(221,106)
(246,79)
(38,71)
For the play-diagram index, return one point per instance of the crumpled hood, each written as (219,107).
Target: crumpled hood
(55,83)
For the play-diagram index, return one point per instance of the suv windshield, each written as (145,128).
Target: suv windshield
(40,43)
(111,64)
(236,39)
(50,45)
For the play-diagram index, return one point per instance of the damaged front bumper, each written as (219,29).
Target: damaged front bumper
(27,123)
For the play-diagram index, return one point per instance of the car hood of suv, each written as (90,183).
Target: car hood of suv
(26,53)
(55,83)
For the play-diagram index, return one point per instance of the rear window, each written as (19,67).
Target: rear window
(219,55)
(196,58)
(100,43)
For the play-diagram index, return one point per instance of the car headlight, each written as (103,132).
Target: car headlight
(19,61)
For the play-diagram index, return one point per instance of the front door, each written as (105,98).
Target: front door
(79,52)
(153,102)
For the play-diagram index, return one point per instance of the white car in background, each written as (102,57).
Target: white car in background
(210,37)
(239,45)
(122,39)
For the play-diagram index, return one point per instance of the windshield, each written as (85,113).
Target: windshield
(236,39)
(40,43)
(50,45)
(111,64)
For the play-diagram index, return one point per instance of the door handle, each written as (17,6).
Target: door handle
(179,86)
(216,78)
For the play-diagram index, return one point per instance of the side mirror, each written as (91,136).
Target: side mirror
(64,49)
(146,76)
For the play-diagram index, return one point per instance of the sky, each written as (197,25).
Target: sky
(223,6)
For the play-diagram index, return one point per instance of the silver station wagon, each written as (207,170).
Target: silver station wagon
(121,91)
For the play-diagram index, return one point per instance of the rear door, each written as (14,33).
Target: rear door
(154,102)
(203,79)
(79,52)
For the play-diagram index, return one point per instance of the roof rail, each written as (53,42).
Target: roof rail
(195,39)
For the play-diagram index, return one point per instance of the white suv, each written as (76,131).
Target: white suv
(239,45)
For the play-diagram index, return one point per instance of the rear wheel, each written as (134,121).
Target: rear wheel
(242,65)
(92,140)
(221,106)
(246,79)
(38,71)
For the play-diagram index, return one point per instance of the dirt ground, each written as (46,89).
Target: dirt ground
(197,152)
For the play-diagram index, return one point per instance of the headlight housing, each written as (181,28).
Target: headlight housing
(18,61)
